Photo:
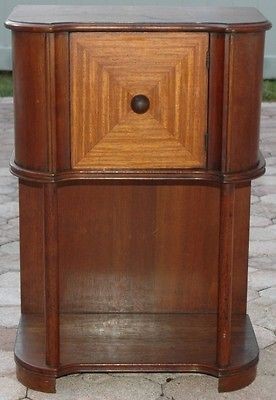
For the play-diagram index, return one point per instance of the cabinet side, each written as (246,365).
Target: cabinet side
(241,244)
(243,101)
(29,73)
(31,247)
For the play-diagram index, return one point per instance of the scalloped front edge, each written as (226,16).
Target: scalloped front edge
(137,27)
(35,374)
(46,383)
(207,176)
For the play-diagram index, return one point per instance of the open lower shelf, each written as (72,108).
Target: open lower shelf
(135,342)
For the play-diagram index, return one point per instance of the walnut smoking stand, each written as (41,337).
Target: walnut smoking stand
(136,140)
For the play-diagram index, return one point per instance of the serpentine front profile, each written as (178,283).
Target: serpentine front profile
(136,140)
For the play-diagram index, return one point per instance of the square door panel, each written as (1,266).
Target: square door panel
(108,70)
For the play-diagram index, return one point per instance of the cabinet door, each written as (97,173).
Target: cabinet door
(163,128)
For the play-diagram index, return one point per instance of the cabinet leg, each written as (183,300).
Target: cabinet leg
(35,380)
(51,275)
(237,381)
(225,274)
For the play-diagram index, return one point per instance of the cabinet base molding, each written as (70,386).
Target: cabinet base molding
(38,381)
(237,381)
(135,342)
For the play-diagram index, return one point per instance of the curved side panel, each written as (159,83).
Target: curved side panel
(29,72)
(243,101)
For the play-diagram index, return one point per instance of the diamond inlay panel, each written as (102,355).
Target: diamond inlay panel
(108,69)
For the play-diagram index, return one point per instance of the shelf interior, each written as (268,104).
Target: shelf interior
(133,342)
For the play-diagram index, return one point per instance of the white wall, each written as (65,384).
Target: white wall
(267,7)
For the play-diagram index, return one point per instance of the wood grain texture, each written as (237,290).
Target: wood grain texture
(138,248)
(215,100)
(62,101)
(136,342)
(240,249)
(108,69)
(133,340)
(50,105)
(29,74)
(134,238)
(51,288)
(225,275)
(237,381)
(133,18)
(244,100)
(31,247)
(34,381)
(206,177)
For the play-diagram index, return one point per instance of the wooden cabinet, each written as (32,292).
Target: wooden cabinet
(136,139)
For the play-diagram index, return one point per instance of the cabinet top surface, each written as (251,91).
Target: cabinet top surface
(50,18)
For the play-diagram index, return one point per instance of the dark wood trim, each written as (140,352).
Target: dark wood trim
(51,275)
(141,175)
(225,103)
(51,100)
(145,18)
(215,101)
(225,274)
(142,27)
(58,101)
(62,100)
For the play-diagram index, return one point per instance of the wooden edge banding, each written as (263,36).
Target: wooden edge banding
(140,175)
(136,27)
(62,102)
(51,101)
(57,101)
(225,102)
(215,100)
(47,383)
(45,380)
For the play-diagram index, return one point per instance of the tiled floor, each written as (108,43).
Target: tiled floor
(261,301)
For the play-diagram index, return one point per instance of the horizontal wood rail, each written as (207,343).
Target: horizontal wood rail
(200,175)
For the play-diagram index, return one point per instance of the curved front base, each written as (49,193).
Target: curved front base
(237,381)
(133,343)
(45,383)
(35,380)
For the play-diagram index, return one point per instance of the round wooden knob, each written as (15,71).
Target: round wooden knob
(140,104)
